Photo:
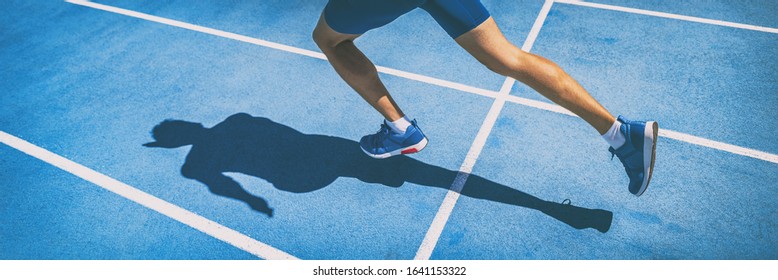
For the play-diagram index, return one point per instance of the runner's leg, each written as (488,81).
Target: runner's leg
(489,46)
(355,68)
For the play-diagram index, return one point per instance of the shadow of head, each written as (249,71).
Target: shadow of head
(175,133)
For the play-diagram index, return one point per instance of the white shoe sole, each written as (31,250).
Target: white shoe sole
(651,134)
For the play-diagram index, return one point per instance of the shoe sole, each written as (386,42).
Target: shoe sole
(651,134)
(404,151)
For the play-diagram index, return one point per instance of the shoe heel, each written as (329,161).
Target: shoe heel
(415,148)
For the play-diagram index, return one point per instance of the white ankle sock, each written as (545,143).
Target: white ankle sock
(614,136)
(400,125)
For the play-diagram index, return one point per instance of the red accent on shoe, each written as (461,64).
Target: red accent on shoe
(409,151)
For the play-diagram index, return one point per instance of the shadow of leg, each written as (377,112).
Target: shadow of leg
(578,217)
(574,216)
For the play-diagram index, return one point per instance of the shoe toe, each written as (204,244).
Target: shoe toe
(635,182)
(365,144)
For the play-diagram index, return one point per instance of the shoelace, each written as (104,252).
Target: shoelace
(382,134)
(624,155)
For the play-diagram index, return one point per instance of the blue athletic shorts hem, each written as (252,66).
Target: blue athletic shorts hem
(359,16)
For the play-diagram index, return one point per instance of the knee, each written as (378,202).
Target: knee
(323,40)
(318,38)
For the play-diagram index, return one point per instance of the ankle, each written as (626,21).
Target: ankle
(614,137)
(400,125)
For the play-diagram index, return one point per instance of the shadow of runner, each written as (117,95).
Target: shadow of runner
(300,163)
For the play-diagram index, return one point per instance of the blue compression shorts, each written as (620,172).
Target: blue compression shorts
(358,16)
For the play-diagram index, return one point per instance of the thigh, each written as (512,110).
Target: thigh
(457,17)
(359,16)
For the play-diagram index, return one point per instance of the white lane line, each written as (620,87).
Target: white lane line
(669,15)
(425,79)
(721,146)
(173,211)
(277,46)
(452,196)
(447,206)
(540,105)
(437,82)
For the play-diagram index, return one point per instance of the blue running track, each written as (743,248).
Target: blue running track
(275,170)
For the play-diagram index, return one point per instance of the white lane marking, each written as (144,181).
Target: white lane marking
(670,16)
(452,196)
(173,211)
(718,145)
(540,105)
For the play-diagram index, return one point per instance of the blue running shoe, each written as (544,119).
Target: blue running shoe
(638,153)
(387,143)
